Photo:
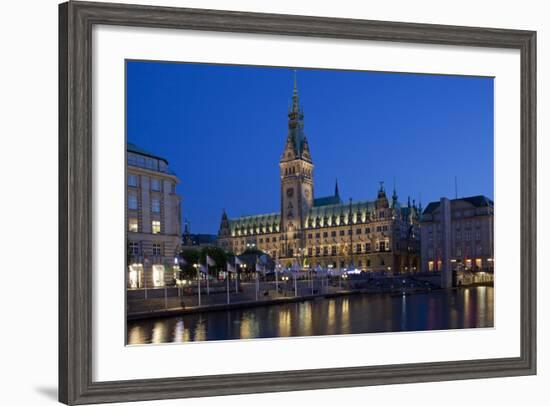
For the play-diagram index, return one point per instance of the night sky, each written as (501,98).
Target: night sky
(223,128)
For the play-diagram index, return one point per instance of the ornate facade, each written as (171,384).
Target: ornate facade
(376,235)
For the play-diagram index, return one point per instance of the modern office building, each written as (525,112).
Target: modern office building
(152,220)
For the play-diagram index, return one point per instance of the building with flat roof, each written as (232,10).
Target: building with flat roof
(152,220)
(459,232)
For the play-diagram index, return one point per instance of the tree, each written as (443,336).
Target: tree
(190,256)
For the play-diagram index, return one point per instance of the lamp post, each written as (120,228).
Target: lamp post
(345,277)
(196,266)
(330,267)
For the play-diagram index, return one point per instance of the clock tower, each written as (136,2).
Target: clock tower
(296,171)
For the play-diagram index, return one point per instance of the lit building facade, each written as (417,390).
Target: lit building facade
(152,220)
(374,235)
(464,228)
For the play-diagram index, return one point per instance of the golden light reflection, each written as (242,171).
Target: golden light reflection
(135,335)
(200,331)
(466,308)
(331,315)
(482,303)
(159,333)
(285,323)
(305,316)
(249,327)
(345,316)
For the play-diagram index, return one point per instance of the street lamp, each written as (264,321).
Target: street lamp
(197,267)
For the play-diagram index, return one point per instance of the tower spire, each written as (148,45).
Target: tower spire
(394,195)
(295,98)
(336,191)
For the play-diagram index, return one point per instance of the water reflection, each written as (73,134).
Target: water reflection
(464,308)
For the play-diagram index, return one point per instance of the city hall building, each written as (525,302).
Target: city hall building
(153,223)
(374,235)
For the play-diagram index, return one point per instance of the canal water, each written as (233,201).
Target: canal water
(368,313)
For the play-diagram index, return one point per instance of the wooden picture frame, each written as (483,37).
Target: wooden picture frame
(76,20)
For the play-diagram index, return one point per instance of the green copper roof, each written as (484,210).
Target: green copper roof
(326,200)
(336,213)
(253,224)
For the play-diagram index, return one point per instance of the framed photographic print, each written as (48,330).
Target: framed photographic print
(258,202)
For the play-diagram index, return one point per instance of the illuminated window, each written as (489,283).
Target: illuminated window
(468,264)
(132,202)
(135,272)
(155,185)
(430,265)
(158,275)
(155,205)
(478,263)
(133,225)
(132,180)
(155,226)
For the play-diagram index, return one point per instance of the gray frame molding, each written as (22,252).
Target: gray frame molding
(75,170)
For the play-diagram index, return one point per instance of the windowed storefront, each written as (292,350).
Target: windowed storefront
(135,276)
(158,275)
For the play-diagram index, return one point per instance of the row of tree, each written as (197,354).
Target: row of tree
(190,256)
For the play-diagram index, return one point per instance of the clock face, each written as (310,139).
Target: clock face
(290,192)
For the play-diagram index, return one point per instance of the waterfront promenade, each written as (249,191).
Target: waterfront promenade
(169,301)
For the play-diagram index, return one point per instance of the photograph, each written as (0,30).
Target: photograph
(276,202)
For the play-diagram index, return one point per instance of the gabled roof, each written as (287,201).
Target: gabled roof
(265,220)
(476,201)
(330,210)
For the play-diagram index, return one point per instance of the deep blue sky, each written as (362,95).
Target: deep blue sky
(223,128)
